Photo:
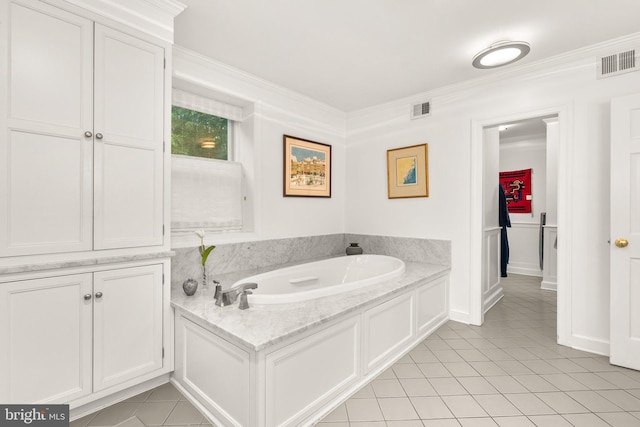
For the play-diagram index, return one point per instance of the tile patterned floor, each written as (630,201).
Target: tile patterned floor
(507,373)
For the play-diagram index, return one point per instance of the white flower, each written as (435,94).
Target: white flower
(200,233)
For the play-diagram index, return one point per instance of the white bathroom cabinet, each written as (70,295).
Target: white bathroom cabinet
(297,381)
(82,134)
(65,337)
(85,316)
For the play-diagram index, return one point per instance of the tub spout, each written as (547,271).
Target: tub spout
(229,296)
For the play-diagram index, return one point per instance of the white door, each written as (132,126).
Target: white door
(127,308)
(129,116)
(45,158)
(625,231)
(45,331)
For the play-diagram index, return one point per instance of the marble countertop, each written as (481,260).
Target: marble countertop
(91,259)
(264,325)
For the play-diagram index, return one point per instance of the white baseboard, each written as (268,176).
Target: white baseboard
(459,316)
(591,345)
(525,271)
(549,286)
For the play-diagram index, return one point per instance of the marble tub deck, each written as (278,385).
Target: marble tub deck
(264,325)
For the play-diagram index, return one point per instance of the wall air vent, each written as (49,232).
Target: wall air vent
(421,110)
(618,63)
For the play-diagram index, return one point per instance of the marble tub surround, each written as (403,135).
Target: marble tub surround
(231,257)
(407,249)
(264,325)
(227,258)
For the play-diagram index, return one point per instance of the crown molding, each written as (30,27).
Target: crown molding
(154,17)
(246,87)
(573,61)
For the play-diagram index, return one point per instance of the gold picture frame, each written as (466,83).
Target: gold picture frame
(408,172)
(307,168)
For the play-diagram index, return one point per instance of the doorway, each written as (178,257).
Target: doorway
(485,139)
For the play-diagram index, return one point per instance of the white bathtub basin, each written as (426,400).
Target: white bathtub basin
(322,278)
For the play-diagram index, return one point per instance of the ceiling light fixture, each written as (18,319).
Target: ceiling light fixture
(501,53)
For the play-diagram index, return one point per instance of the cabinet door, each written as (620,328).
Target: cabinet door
(129,82)
(127,324)
(46,161)
(45,331)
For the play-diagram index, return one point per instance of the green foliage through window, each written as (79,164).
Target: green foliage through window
(194,133)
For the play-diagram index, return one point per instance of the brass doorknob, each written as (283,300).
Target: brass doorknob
(622,243)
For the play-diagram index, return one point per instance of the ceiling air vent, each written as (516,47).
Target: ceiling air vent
(619,63)
(421,110)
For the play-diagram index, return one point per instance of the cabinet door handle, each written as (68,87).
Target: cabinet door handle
(98,295)
(87,297)
(99,135)
(88,134)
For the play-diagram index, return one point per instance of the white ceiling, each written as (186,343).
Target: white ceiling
(353,54)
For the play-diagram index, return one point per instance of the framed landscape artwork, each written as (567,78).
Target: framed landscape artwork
(408,172)
(307,168)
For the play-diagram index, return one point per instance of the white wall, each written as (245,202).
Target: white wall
(568,84)
(529,153)
(270,112)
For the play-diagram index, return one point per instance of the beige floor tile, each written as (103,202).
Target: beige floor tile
(477,385)
(417,387)
(332,424)
(441,423)
(447,356)
(368,424)
(535,383)
(430,408)
(464,407)
(407,371)
(142,397)
(114,414)
(388,388)
(475,355)
(488,368)
(82,422)
(365,392)
(131,422)
(154,413)
(497,405)
(622,399)
(434,370)
(619,419)
(363,410)
(593,401)
(506,384)
(529,404)
(592,381)
(561,402)
(405,423)
(564,382)
(520,421)
(397,408)
(477,422)
(586,420)
(184,413)
(423,356)
(550,421)
(447,386)
(461,369)
(164,393)
(337,415)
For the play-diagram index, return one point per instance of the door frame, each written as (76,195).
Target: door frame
(565,170)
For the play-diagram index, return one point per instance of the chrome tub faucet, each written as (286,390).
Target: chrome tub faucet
(228,297)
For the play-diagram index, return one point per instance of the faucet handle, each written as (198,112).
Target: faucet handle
(244,304)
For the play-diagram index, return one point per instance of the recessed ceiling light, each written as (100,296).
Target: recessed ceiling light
(501,53)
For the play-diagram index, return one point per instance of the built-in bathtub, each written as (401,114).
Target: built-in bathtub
(290,364)
(322,278)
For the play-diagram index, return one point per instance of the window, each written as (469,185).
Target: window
(198,134)
(206,189)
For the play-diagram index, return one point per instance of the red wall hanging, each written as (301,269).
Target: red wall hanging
(517,186)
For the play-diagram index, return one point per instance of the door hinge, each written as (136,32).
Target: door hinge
(163,352)
(163,229)
(163,278)
(164,63)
